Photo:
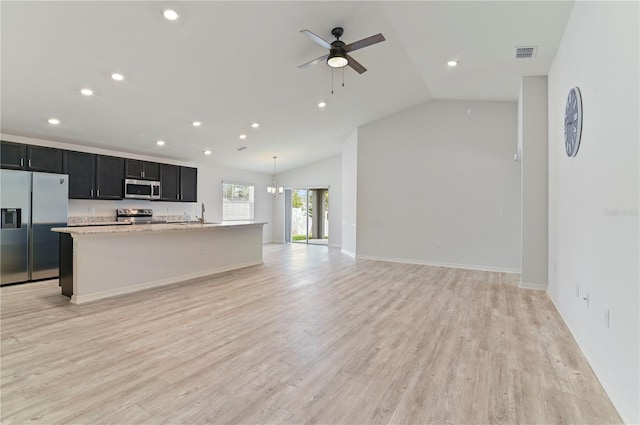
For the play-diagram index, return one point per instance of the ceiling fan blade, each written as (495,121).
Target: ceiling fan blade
(317,39)
(357,66)
(315,61)
(378,38)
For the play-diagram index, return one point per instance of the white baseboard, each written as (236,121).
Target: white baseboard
(85,298)
(626,412)
(536,286)
(349,253)
(435,264)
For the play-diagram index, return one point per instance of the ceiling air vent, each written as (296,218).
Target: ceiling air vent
(526,52)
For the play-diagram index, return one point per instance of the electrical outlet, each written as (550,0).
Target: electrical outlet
(586,299)
(438,245)
(202,251)
(498,213)
(607,318)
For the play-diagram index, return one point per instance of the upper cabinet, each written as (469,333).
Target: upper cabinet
(48,160)
(17,156)
(188,184)
(93,176)
(13,155)
(81,168)
(109,176)
(136,169)
(169,182)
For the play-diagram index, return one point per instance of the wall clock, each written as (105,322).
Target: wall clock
(573,122)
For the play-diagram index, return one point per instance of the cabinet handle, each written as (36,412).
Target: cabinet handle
(92,193)
(143,174)
(22,162)
(29,163)
(98,193)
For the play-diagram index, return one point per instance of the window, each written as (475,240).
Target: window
(237,202)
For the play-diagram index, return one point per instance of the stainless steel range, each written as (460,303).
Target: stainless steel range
(136,215)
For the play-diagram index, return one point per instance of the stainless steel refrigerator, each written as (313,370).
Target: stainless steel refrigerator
(30,205)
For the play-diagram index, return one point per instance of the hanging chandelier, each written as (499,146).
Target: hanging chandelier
(274,189)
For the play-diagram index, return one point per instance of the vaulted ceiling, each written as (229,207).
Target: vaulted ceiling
(229,64)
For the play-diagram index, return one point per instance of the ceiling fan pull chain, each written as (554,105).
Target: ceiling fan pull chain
(343,75)
(332,80)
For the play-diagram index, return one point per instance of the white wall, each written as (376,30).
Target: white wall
(323,173)
(209,189)
(349,193)
(437,184)
(594,197)
(533,144)
(210,192)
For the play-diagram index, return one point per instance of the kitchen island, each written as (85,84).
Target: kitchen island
(97,262)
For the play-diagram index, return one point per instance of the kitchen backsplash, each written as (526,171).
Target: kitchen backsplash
(84,211)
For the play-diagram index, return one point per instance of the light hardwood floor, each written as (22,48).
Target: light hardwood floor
(312,336)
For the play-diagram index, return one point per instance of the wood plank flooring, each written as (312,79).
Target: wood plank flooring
(311,336)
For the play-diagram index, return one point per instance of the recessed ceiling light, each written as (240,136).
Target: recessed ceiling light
(207,152)
(196,123)
(117,77)
(255,125)
(86,92)
(54,121)
(452,63)
(160,143)
(321,105)
(240,149)
(170,14)
(243,136)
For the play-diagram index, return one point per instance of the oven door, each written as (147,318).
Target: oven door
(137,189)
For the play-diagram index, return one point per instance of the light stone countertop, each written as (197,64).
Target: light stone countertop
(92,230)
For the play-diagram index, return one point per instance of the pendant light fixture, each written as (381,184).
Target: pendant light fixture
(274,190)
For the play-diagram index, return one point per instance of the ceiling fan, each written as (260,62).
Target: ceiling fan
(338,56)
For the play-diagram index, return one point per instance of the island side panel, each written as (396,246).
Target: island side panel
(117,263)
(66,264)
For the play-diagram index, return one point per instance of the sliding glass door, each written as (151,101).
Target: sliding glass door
(310,216)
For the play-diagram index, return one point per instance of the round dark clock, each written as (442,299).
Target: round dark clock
(573,122)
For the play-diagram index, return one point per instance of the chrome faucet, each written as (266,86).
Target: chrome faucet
(201,219)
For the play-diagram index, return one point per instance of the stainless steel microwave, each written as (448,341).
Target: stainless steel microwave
(141,189)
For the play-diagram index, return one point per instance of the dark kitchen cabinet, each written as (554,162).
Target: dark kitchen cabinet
(169,182)
(136,169)
(48,160)
(188,184)
(13,155)
(81,168)
(17,156)
(109,177)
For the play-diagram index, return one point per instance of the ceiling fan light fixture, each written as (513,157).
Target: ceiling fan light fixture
(337,58)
